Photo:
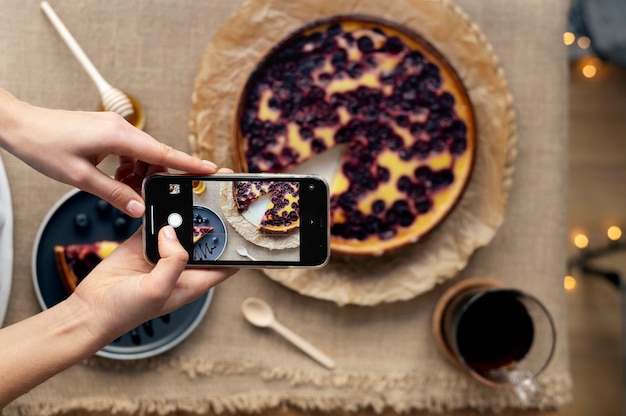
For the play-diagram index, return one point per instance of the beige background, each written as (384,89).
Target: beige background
(385,355)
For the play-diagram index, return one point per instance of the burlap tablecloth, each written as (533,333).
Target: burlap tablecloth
(386,356)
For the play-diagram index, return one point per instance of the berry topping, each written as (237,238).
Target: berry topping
(371,90)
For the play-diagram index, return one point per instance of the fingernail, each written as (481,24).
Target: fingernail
(169,232)
(209,163)
(135,208)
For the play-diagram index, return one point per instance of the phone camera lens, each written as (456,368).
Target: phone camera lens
(311,187)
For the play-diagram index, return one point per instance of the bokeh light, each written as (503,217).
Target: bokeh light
(583,42)
(581,241)
(569,282)
(589,70)
(614,233)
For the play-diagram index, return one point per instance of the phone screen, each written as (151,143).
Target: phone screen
(241,220)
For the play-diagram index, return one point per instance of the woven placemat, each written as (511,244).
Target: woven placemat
(405,273)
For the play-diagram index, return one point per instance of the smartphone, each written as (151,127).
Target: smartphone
(241,220)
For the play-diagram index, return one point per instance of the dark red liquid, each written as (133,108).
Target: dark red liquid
(495,331)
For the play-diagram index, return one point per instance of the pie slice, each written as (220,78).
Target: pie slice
(76,261)
(271,206)
(200,231)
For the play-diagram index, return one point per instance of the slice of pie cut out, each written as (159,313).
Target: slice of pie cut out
(271,206)
(76,261)
(377,111)
(200,231)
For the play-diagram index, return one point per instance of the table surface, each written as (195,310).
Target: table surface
(153,50)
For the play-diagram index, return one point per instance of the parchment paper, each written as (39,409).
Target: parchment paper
(406,273)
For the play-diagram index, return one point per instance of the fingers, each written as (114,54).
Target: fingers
(123,193)
(156,153)
(117,193)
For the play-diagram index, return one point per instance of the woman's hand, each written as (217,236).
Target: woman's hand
(124,290)
(121,293)
(68,146)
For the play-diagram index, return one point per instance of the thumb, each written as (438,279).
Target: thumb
(172,262)
(173,256)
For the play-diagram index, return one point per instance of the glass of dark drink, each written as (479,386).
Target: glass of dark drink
(503,337)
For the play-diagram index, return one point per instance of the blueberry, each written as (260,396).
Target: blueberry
(274,103)
(458,145)
(432,125)
(417,192)
(103,208)
(120,224)
(355,71)
(365,44)
(414,58)
(446,100)
(378,206)
(403,121)
(81,222)
(339,59)
(333,30)
(395,142)
(347,202)
(404,183)
(443,178)
(421,148)
(458,129)
(306,133)
(386,79)
(373,225)
(324,78)
(423,174)
(316,93)
(383,174)
(343,135)
(393,45)
(423,205)
(405,154)
(318,145)
(289,155)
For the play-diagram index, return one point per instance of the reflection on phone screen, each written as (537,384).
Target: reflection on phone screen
(245,220)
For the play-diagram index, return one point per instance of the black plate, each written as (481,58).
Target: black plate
(211,246)
(64,225)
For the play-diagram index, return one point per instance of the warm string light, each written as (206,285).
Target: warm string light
(581,241)
(569,283)
(583,42)
(589,66)
(582,261)
(614,233)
